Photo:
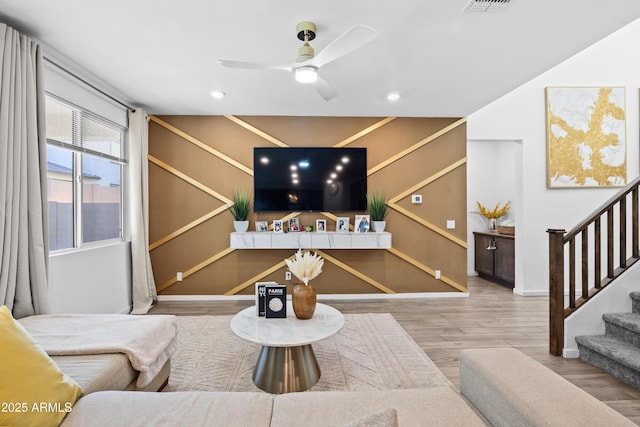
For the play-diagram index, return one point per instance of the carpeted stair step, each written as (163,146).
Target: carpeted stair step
(620,359)
(635,301)
(624,326)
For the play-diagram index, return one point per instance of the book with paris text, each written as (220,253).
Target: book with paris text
(275,301)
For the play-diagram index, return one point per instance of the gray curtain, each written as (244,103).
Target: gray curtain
(143,285)
(23,177)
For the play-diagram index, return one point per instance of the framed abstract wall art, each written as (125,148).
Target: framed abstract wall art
(586,138)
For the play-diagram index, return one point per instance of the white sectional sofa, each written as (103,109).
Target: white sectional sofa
(499,387)
(439,406)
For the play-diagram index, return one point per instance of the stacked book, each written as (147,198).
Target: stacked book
(271,300)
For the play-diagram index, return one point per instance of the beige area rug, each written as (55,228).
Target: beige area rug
(371,352)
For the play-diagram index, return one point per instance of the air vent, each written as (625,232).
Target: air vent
(488,6)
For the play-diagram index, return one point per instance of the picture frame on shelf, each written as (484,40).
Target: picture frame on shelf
(277,226)
(262,226)
(342,224)
(294,225)
(321,225)
(362,224)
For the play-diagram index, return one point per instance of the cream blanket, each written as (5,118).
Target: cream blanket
(148,341)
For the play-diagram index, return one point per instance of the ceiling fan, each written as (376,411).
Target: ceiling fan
(305,69)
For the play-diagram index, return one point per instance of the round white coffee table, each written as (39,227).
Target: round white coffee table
(286,362)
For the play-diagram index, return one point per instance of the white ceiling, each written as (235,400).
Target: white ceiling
(161,54)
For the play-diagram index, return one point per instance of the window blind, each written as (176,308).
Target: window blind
(75,129)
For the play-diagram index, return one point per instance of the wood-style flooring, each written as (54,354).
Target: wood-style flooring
(492,316)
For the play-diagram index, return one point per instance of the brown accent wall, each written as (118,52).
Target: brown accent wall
(196,162)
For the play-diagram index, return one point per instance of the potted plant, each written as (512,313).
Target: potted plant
(378,209)
(240,211)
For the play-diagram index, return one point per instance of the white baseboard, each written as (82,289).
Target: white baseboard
(321,297)
(572,353)
(539,293)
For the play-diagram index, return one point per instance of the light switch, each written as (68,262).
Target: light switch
(416,199)
(437,274)
(451,224)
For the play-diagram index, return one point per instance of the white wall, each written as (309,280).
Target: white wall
(520,115)
(96,280)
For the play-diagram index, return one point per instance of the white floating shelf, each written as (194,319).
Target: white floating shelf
(305,240)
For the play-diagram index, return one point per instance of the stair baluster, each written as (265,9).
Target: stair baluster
(562,253)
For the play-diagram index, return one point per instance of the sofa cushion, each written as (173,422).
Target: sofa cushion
(98,372)
(138,408)
(510,389)
(33,390)
(386,418)
(437,406)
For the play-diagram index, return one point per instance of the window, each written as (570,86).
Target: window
(85,168)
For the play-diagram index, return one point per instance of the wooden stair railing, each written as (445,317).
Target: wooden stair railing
(587,269)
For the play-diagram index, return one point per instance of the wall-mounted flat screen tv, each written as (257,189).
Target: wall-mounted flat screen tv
(309,179)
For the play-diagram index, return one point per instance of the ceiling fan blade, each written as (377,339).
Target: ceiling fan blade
(347,42)
(324,89)
(252,65)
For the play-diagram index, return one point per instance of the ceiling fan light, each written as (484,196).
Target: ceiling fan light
(306,74)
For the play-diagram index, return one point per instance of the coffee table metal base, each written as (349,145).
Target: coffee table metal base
(286,369)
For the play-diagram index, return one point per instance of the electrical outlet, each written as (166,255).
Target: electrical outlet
(287,275)
(179,276)
(437,275)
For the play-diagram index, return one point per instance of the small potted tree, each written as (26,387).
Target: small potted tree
(378,209)
(240,211)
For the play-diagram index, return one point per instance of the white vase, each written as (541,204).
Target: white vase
(241,226)
(379,226)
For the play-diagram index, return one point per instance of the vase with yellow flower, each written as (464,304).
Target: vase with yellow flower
(492,215)
(305,266)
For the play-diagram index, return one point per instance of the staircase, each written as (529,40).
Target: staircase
(618,350)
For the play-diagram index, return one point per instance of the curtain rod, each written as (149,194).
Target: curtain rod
(117,101)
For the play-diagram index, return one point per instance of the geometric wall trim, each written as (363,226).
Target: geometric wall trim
(189,230)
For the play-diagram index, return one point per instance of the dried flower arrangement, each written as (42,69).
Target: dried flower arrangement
(496,212)
(305,266)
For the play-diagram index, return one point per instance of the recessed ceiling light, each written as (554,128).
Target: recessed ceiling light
(393,96)
(218,94)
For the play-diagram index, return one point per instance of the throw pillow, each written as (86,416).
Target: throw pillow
(33,390)
(385,418)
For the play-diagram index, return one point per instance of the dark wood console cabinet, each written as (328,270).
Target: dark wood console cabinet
(495,257)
